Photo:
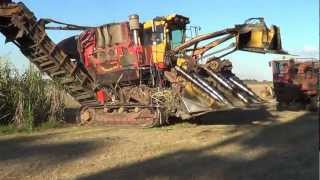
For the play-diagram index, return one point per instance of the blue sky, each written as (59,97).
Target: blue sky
(298,20)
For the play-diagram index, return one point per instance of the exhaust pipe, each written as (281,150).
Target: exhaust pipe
(134,26)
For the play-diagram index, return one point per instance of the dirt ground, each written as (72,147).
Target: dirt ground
(257,143)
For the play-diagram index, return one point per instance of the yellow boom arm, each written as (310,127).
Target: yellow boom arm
(253,36)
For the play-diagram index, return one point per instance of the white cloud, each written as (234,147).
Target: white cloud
(308,51)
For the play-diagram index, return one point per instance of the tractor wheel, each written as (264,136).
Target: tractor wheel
(86,115)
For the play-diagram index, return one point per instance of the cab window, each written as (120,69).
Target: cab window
(177,37)
(157,36)
(147,37)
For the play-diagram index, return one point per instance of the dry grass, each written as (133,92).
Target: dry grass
(265,144)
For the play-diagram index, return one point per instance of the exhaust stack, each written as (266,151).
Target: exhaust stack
(134,26)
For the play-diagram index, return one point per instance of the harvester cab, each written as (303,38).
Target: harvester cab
(162,34)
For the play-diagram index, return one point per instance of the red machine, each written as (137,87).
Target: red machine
(110,59)
(296,82)
(141,73)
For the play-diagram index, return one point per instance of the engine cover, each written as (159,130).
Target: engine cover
(109,53)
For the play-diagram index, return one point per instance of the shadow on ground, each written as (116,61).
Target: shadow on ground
(236,116)
(291,153)
(36,149)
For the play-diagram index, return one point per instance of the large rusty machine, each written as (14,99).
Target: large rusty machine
(141,73)
(296,83)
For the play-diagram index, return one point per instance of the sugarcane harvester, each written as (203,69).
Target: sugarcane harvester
(135,73)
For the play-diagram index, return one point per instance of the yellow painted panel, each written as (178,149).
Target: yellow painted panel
(158,52)
(256,39)
(197,94)
(181,62)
